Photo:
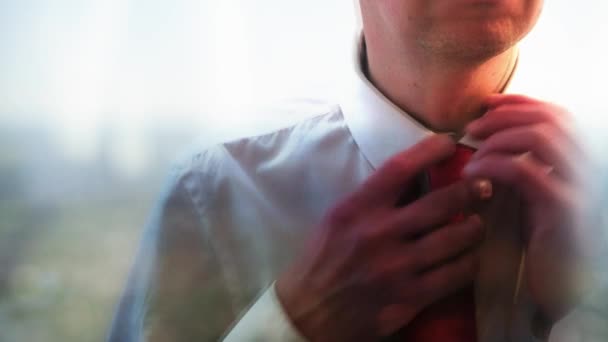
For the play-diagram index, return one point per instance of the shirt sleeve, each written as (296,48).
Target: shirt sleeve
(176,290)
(265,321)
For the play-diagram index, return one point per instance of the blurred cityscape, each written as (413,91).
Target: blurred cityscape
(69,228)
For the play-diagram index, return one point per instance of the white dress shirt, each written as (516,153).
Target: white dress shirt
(235,214)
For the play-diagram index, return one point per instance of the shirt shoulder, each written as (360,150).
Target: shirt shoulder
(251,125)
(272,135)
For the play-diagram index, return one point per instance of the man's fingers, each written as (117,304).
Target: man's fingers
(446,243)
(541,140)
(516,115)
(504,117)
(426,288)
(432,210)
(495,100)
(388,182)
(444,280)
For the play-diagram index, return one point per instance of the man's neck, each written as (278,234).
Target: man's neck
(443,95)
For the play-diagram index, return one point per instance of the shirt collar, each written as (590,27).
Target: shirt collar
(380,128)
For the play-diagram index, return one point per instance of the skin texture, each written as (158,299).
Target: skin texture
(442,61)
(530,145)
(439,59)
(452,31)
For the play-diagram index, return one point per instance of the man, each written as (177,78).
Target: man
(356,225)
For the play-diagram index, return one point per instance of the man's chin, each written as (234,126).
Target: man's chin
(474,43)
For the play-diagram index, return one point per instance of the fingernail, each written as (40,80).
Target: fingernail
(483,189)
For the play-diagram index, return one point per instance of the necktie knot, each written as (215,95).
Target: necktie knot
(449,170)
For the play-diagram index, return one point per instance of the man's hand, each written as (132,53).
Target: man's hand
(371,266)
(529,146)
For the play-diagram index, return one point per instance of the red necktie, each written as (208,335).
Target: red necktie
(451,319)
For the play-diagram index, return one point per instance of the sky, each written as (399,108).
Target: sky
(78,65)
(179,54)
